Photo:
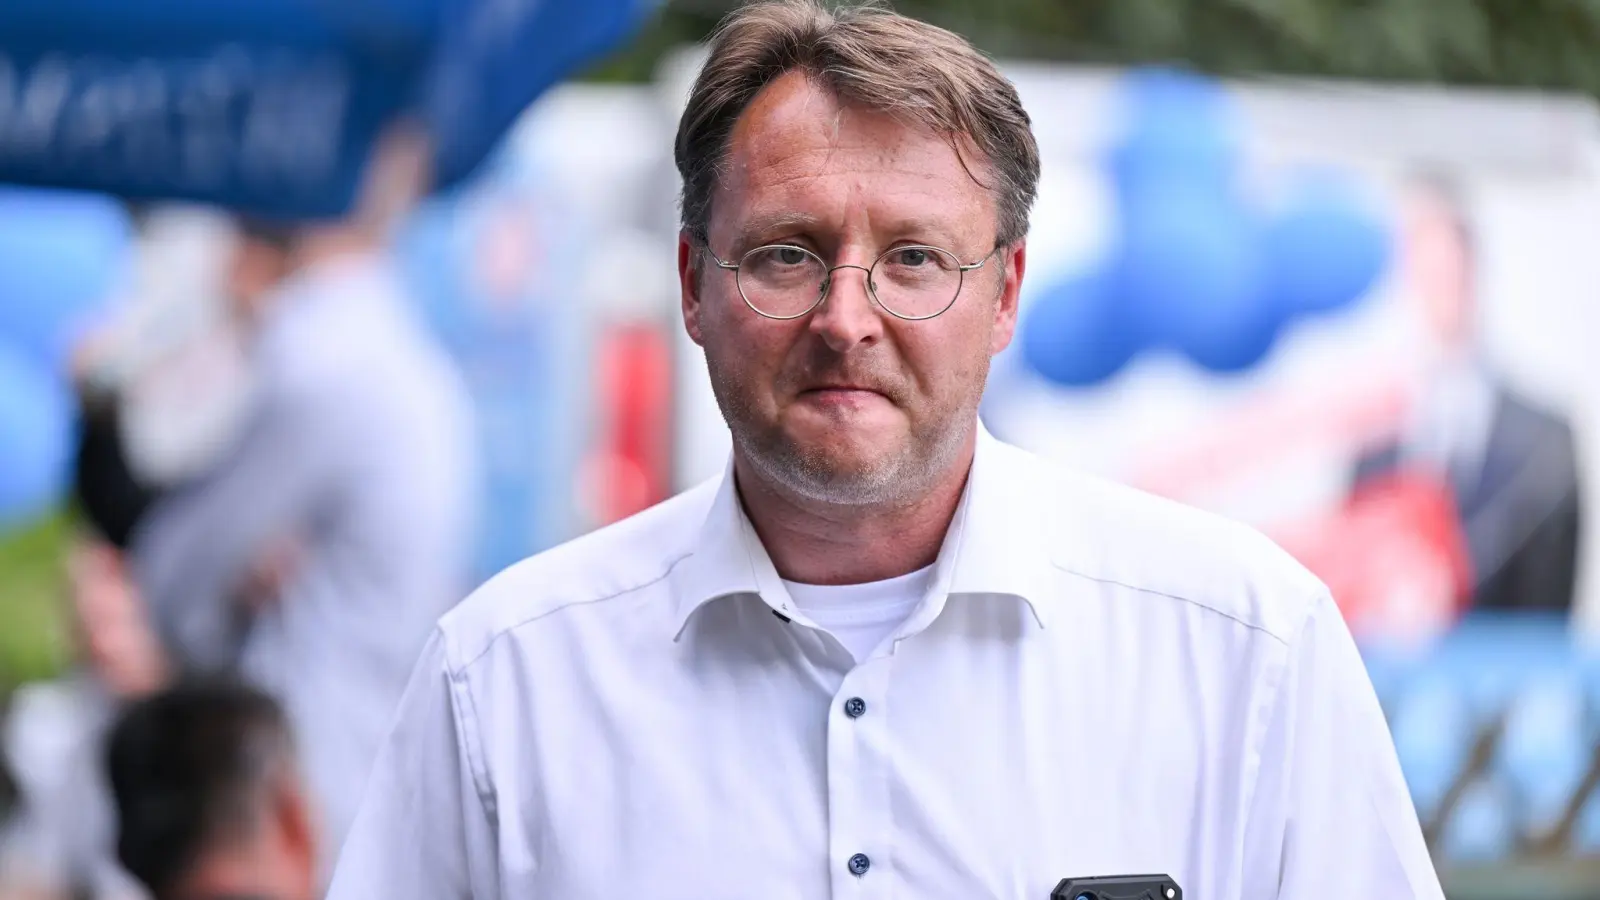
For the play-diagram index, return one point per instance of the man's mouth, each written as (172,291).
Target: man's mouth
(842,395)
(841,388)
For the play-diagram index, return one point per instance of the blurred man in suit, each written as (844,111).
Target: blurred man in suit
(1511,466)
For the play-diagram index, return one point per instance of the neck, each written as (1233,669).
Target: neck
(814,542)
(247,874)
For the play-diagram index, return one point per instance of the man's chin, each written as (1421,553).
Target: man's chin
(847,446)
(846,428)
(850,473)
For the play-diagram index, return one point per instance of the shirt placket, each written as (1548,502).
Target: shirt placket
(860,832)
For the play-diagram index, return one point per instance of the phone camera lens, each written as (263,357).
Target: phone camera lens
(1087,895)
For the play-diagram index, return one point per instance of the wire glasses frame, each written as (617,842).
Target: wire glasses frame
(824,282)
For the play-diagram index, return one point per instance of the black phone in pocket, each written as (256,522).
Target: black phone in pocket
(1118,887)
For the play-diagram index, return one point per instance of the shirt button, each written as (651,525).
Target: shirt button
(855,708)
(859,864)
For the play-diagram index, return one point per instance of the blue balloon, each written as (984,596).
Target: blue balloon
(1239,347)
(1325,248)
(60,257)
(1076,334)
(1175,125)
(1188,266)
(36,438)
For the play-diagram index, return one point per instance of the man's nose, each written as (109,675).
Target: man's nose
(847,316)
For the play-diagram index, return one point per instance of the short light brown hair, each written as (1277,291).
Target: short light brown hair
(869,57)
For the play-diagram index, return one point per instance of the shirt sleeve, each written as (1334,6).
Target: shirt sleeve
(1331,817)
(191,554)
(425,830)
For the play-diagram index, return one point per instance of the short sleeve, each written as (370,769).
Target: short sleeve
(1331,817)
(424,830)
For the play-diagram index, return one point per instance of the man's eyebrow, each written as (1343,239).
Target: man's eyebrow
(930,228)
(763,227)
(757,227)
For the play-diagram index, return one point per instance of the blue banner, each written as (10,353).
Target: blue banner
(272,107)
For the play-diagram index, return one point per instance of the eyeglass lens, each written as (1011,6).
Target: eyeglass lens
(911,282)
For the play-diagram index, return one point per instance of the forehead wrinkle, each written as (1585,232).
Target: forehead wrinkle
(891,211)
(800,165)
(874,155)
(782,163)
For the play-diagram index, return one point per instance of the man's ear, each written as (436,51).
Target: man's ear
(1014,261)
(689,275)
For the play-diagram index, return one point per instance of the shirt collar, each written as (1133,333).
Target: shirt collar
(999,541)
(996,545)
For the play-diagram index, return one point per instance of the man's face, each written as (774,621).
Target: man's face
(256,267)
(1439,268)
(847,404)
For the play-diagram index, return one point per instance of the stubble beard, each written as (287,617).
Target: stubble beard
(811,474)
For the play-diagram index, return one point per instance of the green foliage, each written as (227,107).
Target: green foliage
(1523,43)
(33,641)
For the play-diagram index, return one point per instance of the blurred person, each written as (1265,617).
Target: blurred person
(316,550)
(61,842)
(172,331)
(170,327)
(211,803)
(885,654)
(1509,465)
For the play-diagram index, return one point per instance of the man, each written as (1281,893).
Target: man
(209,797)
(885,655)
(1510,466)
(318,550)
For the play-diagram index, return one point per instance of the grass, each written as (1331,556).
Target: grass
(33,636)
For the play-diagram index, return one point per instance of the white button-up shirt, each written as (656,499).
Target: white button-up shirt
(1098,683)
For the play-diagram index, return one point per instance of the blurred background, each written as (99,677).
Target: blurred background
(1324,266)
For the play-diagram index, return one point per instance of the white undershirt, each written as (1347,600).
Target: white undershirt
(861,615)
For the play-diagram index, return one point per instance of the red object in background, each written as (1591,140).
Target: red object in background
(1393,555)
(629,471)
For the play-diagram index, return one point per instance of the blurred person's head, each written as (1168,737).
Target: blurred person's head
(263,255)
(853,138)
(267,251)
(209,798)
(1440,259)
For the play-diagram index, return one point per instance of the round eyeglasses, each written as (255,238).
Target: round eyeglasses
(915,282)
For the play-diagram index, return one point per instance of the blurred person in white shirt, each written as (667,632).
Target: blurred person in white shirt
(315,552)
(311,524)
